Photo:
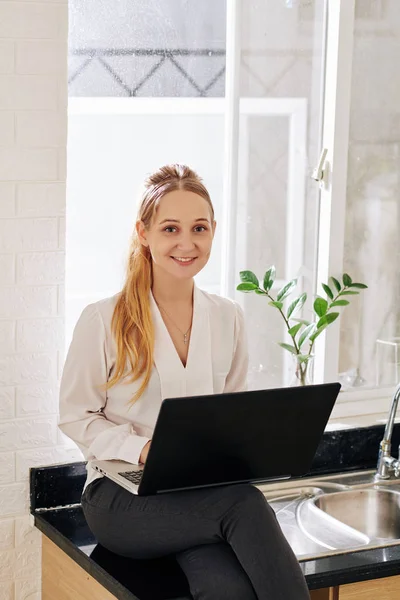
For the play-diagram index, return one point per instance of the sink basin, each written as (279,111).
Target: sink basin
(336,514)
(373,512)
(285,501)
(351,518)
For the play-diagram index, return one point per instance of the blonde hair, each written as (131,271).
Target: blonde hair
(132,325)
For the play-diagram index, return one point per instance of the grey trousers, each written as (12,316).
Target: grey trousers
(226,539)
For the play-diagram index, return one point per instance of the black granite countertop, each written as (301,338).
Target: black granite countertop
(61,486)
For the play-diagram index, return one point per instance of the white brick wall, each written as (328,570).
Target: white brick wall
(33,125)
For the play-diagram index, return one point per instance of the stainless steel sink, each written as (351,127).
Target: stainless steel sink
(336,514)
(373,512)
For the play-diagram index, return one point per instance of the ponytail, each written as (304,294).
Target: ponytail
(132,325)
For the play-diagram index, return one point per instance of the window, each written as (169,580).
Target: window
(369,338)
(146,87)
(282,68)
(354,232)
(248,94)
(147,48)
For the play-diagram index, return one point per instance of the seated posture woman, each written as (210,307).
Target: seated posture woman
(163,337)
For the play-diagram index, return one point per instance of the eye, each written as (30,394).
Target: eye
(170,229)
(200,228)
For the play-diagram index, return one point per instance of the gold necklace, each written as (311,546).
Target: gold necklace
(185,335)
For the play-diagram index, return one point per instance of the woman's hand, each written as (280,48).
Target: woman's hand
(144,452)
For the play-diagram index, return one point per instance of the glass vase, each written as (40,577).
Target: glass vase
(302,370)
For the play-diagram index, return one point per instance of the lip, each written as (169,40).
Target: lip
(187,263)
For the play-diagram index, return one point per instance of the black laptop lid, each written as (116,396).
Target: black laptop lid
(243,436)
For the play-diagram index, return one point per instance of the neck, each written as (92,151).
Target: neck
(167,290)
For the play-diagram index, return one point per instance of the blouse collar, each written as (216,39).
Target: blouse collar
(197,377)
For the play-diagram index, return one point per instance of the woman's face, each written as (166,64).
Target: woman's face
(180,235)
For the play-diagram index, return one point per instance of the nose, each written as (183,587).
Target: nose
(186,242)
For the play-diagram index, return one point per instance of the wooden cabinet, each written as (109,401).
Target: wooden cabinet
(64,579)
(387,588)
(325,594)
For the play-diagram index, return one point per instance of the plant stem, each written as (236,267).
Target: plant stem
(285,319)
(303,372)
(329,307)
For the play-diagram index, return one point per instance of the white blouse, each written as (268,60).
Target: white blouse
(100,422)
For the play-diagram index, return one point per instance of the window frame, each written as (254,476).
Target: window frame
(340,20)
(332,207)
(333,198)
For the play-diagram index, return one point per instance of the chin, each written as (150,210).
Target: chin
(186,272)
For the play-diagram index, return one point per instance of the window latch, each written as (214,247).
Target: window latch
(321,171)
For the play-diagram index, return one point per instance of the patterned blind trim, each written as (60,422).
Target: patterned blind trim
(100,55)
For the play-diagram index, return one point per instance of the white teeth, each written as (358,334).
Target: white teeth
(183,259)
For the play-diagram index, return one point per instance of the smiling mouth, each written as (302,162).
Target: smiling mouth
(184,261)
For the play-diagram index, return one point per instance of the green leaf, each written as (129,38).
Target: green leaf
(323,324)
(320,306)
(327,319)
(347,280)
(339,303)
(296,305)
(276,304)
(288,347)
(286,290)
(348,293)
(306,333)
(328,291)
(336,284)
(361,286)
(293,330)
(260,292)
(303,321)
(303,358)
(247,287)
(249,277)
(269,278)
(314,336)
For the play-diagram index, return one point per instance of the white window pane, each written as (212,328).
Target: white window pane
(109,157)
(282,55)
(373,192)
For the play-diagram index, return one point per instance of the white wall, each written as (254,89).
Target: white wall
(33,118)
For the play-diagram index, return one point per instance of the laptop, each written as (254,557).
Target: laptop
(242,437)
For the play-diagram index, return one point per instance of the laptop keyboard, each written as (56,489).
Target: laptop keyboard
(133,476)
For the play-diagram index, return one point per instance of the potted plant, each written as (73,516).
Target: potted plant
(302,332)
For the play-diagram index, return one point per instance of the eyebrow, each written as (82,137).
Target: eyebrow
(177,221)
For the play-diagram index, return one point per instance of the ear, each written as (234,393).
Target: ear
(214,226)
(141,233)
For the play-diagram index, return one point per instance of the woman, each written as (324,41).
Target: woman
(163,337)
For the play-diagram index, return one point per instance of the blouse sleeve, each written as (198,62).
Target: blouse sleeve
(82,398)
(236,380)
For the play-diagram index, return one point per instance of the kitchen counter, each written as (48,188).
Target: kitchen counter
(55,506)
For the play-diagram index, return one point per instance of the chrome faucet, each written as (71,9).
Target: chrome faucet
(386,463)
